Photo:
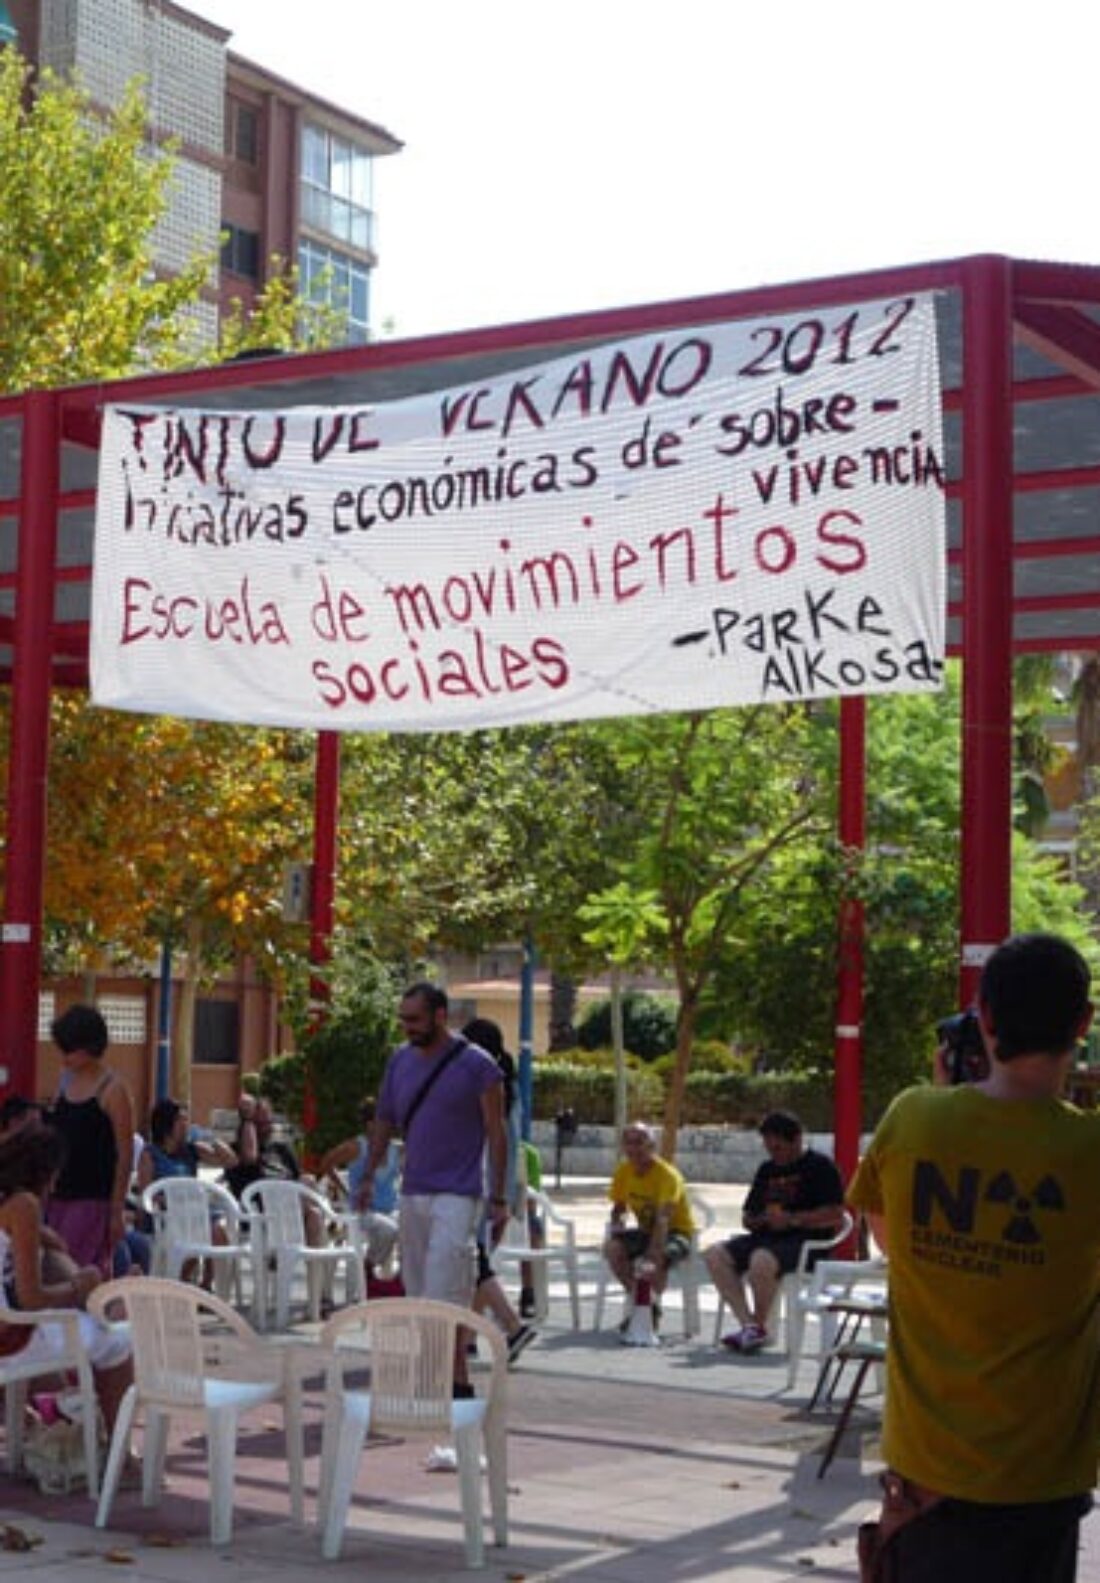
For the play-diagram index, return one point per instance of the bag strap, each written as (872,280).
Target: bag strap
(425,1088)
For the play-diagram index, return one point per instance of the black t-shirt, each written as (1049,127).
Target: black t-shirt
(810,1182)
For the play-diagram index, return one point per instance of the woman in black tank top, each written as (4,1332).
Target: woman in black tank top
(93,1112)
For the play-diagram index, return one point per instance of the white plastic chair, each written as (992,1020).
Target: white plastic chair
(182,1369)
(276,1214)
(793,1284)
(687,1274)
(560,1247)
(16,1371)
(410,1344)
(181,1208)
(830,1279)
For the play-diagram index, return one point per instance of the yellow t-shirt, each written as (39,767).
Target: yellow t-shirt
(993,1221)
(644,1192)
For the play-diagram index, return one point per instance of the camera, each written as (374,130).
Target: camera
(966,1058)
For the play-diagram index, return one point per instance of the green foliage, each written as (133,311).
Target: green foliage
(589,1091)
(601,1059)
(707,1055)
(347,1047)
(80,194)
(736,1099)
(649,1024)
(282,1080)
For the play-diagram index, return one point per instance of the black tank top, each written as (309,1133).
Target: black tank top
(89,1169)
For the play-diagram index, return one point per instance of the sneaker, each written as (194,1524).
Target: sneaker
(749,1339)
(527,1303)
(462,1391)
(518,1342)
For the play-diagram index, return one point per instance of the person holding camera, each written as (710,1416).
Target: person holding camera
(986,1197)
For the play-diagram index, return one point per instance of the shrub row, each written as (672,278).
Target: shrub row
(735,1099)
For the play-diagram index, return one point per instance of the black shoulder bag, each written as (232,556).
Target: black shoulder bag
(425,1088)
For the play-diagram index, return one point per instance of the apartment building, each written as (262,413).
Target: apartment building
(264,167)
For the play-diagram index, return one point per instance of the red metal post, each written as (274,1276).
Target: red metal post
(986,828)
(848,1049)
(24,866)
(326,806)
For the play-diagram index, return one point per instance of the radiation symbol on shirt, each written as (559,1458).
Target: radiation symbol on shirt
(1021,1228)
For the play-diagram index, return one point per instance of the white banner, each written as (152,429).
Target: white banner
(743,512)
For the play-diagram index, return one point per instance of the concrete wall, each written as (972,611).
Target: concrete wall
(704,1154)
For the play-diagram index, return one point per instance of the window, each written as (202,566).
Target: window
(241,252)
(242,132)
(125,1018)
(329,276)
(47,1011)
(336,188)
(217,1033)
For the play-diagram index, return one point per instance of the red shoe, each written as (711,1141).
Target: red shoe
(385,1286)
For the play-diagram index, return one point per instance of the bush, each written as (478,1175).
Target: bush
(600,1059)
(589,1091)
(739,1099)
(649,1025)
(346,1056)
(707,1055)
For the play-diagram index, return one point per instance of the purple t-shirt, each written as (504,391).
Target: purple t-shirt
(444,1146)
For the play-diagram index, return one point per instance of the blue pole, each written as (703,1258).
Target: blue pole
(164,1023)
(526,1035)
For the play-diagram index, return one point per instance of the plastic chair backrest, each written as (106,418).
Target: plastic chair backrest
(181,1207)
(411,1346)
(828,1239)
(279,1203)
(166,1340)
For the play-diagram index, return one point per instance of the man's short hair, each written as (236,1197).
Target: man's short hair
(781,1124)
(80,1028)
(1035,988)
(433,996)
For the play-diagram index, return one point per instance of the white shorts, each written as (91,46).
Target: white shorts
(437,1246)
(106,1345)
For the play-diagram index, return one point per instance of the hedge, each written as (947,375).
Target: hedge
(733,1099)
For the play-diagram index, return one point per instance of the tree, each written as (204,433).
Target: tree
(171,831)
(720,796)
(80,195)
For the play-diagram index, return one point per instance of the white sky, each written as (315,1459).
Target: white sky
(566,156)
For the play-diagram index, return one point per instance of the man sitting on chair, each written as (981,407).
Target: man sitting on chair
(795,1195)
(654,1192)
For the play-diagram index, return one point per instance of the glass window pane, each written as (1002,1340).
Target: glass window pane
(315,156)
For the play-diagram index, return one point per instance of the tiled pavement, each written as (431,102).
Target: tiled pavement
(625,1467)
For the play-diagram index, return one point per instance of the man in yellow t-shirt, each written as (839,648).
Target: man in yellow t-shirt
(653,1192)
(986,1198)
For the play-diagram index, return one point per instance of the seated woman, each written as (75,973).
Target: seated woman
(29,1165)
(174,1149)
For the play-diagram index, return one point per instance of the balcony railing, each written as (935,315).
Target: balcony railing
(337,217)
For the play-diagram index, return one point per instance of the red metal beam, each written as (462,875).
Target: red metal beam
(987,622)
(1065,336)
(21,949)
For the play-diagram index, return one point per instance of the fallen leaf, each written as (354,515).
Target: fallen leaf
(17,1539)
(164,1541)
(734,1484)
(120,1558)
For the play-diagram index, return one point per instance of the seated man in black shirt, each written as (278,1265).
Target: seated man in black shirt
(796,1194)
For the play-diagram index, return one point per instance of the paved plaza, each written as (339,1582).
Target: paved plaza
(626,1466)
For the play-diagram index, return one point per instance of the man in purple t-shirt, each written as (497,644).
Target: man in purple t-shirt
(447,1132)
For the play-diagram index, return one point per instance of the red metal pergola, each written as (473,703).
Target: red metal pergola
(1020,359)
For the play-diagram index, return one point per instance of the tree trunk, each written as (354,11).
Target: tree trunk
(674,1101)
(184,1043)
(563,1007)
